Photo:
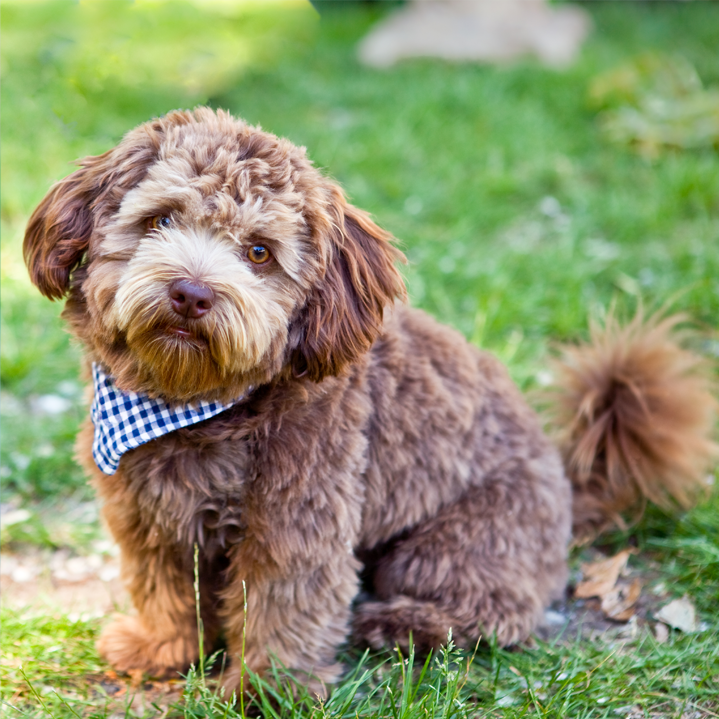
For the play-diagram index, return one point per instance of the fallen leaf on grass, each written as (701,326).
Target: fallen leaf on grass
(679,614)
(601,577)
(619,603)
(136,676)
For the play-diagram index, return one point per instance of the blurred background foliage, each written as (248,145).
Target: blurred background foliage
(655,102)
(521,209)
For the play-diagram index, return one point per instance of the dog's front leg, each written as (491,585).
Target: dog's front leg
(162,638)
(295,568)
(158,575)
(300,618)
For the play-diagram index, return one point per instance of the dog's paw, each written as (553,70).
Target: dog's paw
(128,645)
(401,621)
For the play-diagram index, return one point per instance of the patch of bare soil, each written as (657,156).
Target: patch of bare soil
(143,697)
(87,585)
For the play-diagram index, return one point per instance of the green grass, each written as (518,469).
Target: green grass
(599,677)
(519,218)
(45,657)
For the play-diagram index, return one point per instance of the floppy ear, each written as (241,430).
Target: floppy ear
(58,233)
(59,230)
(343,314)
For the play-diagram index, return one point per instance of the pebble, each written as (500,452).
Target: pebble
(22,573)
(553,618)
(109,572)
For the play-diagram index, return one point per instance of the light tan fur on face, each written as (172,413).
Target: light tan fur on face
(247,315)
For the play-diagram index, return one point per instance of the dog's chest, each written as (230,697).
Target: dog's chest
(189,486)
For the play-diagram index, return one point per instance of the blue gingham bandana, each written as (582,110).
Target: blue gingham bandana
(125,420)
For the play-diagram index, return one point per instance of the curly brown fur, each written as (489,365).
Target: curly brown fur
(636,411)
(373,439)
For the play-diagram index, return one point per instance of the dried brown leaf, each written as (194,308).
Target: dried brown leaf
(601,577)
(619,603)
(136,676)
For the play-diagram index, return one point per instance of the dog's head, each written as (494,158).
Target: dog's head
(202,255)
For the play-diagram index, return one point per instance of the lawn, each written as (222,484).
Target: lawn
(520,218)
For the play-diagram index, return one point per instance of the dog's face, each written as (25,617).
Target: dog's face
(202,256)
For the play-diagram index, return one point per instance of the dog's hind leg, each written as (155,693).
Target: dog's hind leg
(485,565)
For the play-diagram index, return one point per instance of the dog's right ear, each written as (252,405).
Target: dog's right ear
(59,230)
(58,233)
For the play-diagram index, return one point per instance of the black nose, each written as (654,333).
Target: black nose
(189,299)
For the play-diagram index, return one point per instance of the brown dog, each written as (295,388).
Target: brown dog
(205,260)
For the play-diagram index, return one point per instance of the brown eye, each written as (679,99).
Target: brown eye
(160,222)
(258,254)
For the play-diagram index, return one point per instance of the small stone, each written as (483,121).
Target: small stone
(22,574)
(661,633)
(553,618)
(109,572)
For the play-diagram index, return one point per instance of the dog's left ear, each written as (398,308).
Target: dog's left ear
(343,314)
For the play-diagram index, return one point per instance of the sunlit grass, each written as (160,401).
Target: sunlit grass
(50,661)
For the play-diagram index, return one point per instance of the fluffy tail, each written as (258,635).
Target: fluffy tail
(635,411)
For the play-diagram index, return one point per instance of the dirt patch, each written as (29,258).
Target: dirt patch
(86,585)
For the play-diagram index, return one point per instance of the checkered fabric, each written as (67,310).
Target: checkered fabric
(125,420)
